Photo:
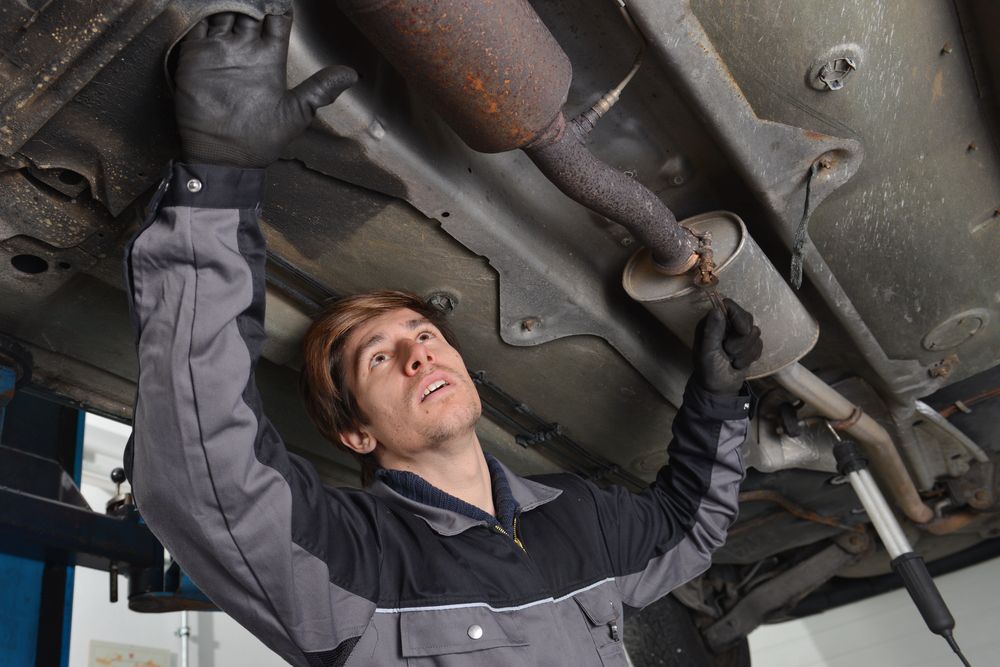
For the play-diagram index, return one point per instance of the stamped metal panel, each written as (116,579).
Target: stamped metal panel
(913,237)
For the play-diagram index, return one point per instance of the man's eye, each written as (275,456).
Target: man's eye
(424,336)
(377,359)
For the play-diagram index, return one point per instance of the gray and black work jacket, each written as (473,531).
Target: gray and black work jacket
(328,576)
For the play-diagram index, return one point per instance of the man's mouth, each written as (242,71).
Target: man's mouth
(432,387)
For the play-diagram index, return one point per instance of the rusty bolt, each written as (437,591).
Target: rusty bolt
(943,368)
(940,371)
(946,49)
(981,496)
(826,162)
(855,540)
(528,323)
(971,147)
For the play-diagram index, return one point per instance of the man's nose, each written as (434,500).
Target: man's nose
(417,356)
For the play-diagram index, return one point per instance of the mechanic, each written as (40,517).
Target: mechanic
(446,557)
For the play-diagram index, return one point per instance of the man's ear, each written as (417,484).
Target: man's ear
(361,441)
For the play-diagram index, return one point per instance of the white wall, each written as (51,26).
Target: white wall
(216,640)
(887,630)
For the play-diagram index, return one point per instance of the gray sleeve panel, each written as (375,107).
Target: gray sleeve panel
(198,445)
(691,553)
(664,536)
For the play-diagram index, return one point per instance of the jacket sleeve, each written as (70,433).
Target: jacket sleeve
(665,536)
(292,561)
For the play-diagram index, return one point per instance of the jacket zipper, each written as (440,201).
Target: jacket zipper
(516,539)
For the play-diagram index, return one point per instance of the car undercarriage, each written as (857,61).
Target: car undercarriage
(853,151)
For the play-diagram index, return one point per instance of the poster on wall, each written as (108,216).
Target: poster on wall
(109,654)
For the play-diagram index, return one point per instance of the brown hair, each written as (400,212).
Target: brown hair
(325,387)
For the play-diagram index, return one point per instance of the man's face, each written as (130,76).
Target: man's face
(410,383)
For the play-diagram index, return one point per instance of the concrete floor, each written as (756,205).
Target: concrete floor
(887,631)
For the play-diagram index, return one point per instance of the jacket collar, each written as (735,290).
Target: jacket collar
(527,494)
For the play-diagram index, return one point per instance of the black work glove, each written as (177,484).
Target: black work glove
(233,106)
(724,347)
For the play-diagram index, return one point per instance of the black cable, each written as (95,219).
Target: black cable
(954,647)
(799,239)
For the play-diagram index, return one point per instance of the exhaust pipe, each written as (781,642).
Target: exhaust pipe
(561,154)
(498,77)
(875,440)
(788,333)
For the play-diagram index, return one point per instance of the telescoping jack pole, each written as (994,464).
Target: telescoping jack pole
(905,561)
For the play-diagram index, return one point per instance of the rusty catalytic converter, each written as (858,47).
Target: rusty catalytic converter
(498,77)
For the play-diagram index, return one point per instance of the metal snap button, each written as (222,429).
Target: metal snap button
(475,632)
(194,185)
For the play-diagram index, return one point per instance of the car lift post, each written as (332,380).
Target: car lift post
(36,594)
(47,528)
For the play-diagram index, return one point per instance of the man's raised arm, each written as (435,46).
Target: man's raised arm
(250,523)
(665,536)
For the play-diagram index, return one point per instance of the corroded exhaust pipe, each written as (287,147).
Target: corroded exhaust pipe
(561,154)
(499,78)
(490,67)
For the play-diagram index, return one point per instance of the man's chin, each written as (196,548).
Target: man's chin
(458,423)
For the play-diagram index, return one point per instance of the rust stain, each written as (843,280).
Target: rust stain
(475,82)
(937,86)
(495,73)
(815,136)
(792,508)
(489,102)
(950,523)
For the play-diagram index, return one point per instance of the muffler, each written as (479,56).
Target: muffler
(787,331)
